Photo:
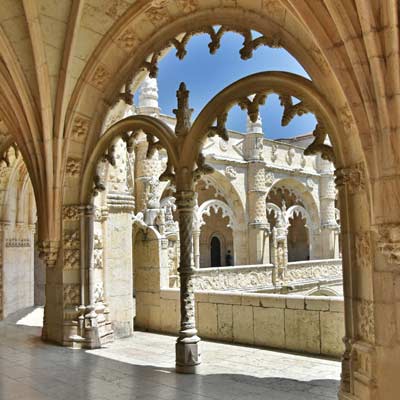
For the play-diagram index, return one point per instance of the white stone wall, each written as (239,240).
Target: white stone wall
(18,272)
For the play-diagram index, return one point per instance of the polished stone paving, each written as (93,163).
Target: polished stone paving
(141,367)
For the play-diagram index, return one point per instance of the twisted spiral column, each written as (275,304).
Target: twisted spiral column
(187,346)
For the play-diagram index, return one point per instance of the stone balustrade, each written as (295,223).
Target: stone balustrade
(255,277)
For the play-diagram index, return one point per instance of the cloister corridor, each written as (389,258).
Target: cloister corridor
(142,367)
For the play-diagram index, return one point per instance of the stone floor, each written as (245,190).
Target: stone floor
(141,367)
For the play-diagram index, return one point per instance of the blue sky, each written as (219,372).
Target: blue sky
(205,75)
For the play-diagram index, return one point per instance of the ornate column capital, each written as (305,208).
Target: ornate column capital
(353,177)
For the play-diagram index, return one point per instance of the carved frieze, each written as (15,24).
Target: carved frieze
(14,242)
(290,156)
(389,242)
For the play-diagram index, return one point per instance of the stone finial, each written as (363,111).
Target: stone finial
(148,98)
(183,112)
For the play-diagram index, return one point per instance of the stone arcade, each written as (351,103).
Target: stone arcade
(100,183)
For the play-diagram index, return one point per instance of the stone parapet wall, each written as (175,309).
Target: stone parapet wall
(307,324)
(253,277)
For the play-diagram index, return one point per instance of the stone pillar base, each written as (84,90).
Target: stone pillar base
(187,357)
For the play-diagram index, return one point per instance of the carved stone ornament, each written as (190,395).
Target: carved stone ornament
(319,145)
(73,166)
(72,294)
(290,156)
(71,250)
(310,183)
(13,242)
(274,151)
(72,213)
(353,177)
(363,250)
(157,13)
(230,172)
(188,6)
(223,144)
(48,252)
(389,242)
(183,112)
(269,178)
(128,39)
(100,77)
(366,322)
(80,127)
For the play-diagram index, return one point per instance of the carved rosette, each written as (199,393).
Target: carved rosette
(48,252)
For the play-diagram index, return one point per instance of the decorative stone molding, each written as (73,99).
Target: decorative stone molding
(363,250)
(71,250)
(313,270)
(365,320)
(310,183)
(231,172)
(120,203)
(14,242)
(73,166)
(389,242)
(72,294)
(353,177)
(48,252)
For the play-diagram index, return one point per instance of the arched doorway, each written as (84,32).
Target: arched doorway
(215,252)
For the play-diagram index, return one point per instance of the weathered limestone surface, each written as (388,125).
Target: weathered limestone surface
(312,325)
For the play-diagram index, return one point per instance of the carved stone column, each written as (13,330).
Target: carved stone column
(329,226)
(187,346)
(257,191)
